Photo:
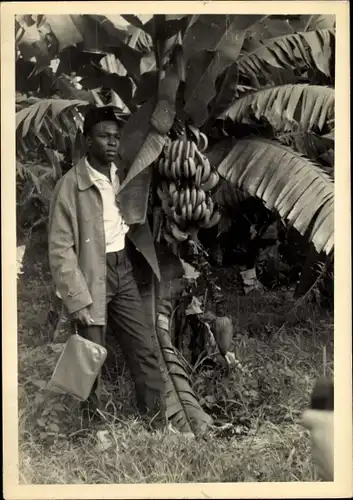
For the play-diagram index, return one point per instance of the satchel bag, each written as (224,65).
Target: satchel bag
(78,367)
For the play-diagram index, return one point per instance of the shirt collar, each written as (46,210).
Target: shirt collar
(98,176)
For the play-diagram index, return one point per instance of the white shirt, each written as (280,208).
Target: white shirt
(115,227)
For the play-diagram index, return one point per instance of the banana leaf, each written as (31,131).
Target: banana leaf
(139,147)
(296,51)
(296,187)
(287,107)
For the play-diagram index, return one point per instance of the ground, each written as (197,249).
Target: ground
(282,345)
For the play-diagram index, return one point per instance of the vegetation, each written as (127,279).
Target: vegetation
(227,152)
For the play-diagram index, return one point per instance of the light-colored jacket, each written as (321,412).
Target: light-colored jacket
(77,254)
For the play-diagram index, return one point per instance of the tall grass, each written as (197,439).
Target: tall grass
(282,348)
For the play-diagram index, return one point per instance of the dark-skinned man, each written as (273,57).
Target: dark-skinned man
(91,268)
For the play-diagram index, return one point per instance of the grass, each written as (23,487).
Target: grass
(282,349)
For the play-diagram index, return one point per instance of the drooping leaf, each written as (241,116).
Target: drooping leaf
(320,21)
(65,30)
(287,107)
(139,147)
(140,143)
(164,113)
(202,71)
(146,88)
(277,25)
(64,87)
(210,45)
(303,50)
(221,33)
(142,238)
(285,181)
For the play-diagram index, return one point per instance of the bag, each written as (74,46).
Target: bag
(78,367)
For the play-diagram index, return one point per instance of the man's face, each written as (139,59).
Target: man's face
(103,141)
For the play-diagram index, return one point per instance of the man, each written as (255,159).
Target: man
(91,268)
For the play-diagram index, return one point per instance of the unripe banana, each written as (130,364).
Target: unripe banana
(198,175)
(187,150)
(192,150)
(183,212)
(206,217)
(199,197)
(206,171)
(203,142)
(193,197)
(199,158)
(187,196)
(173,173)
(167,168)
(197,212)
(192,167)
(181,198)
(178,168)
(216,217)
(177,233)
(180,149)
(174,150)
(212,182)
(203,209)
(175,198)
(186,169)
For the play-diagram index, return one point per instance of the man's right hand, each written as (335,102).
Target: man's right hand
(82,317)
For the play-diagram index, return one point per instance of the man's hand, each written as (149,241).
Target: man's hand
(82,317)
(320,425)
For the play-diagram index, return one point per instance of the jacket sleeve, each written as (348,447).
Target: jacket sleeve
(63,262)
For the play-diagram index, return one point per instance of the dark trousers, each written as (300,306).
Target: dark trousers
(126,319)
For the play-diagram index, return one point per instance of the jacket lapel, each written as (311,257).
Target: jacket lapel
(83,179)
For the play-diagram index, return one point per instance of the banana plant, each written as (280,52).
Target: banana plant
(175,75)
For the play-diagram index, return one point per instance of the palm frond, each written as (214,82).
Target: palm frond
(296,187)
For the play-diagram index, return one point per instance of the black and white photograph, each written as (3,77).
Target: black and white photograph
(175,247)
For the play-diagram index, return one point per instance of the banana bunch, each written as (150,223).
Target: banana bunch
(187,179)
